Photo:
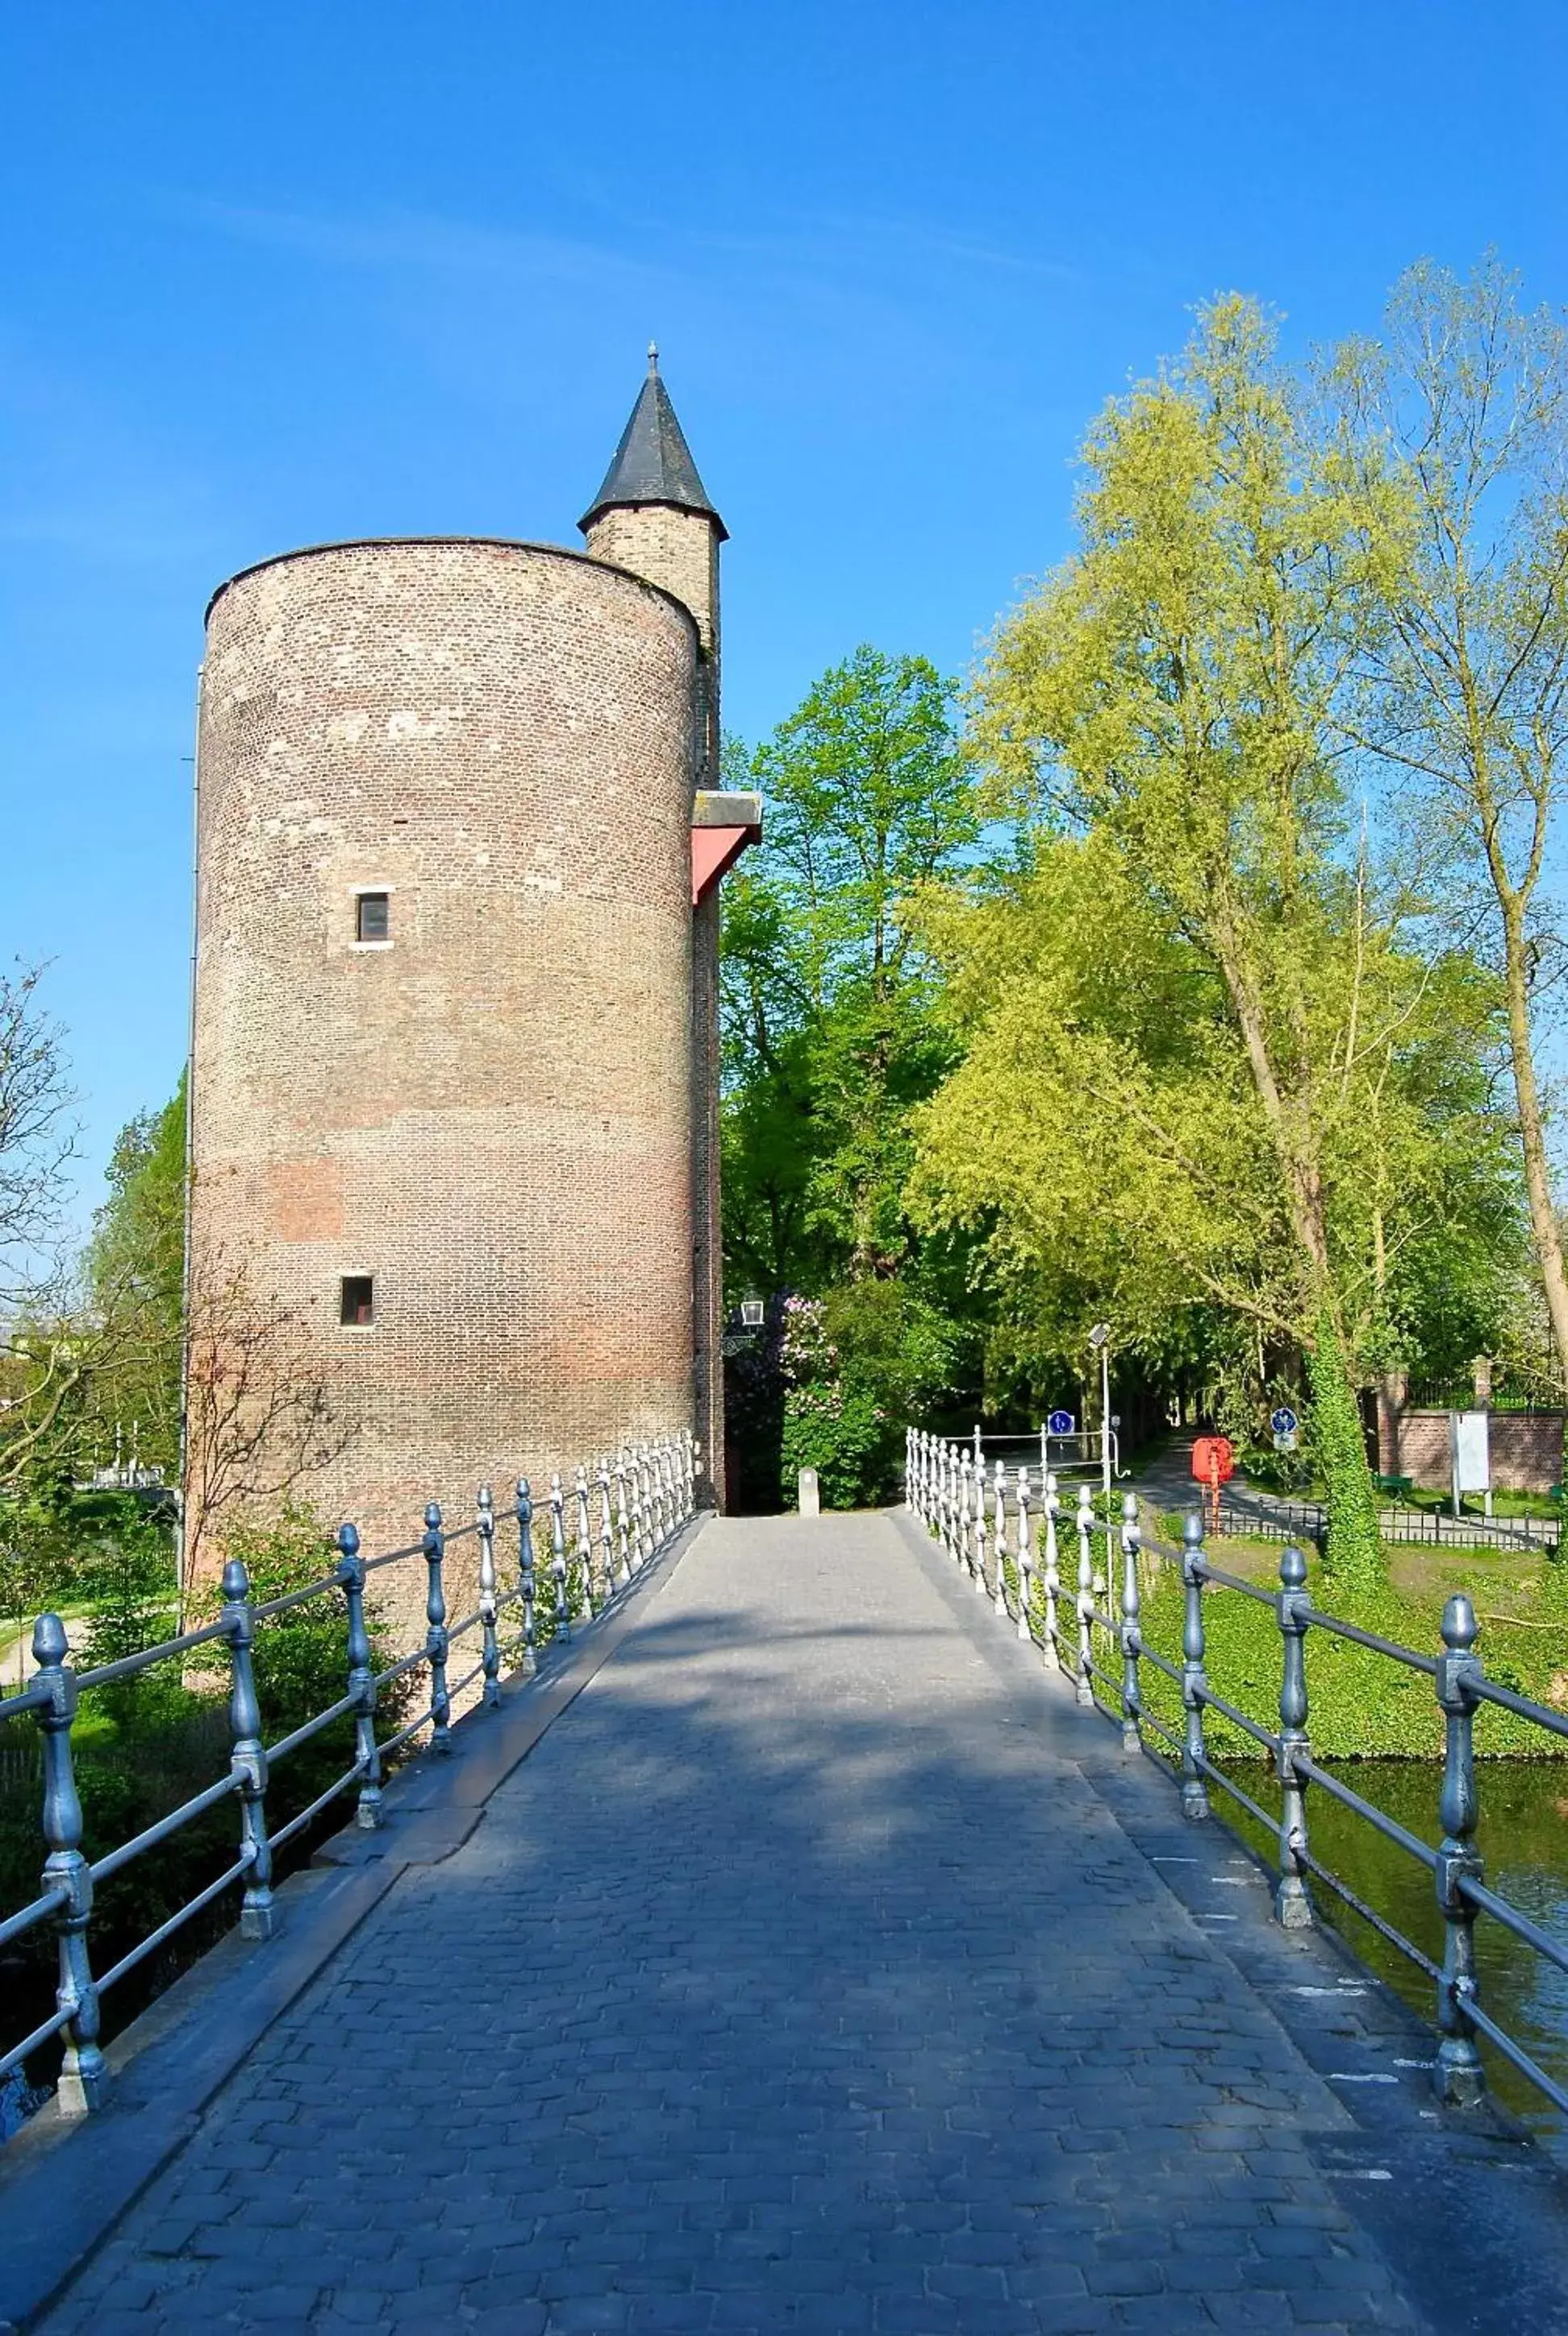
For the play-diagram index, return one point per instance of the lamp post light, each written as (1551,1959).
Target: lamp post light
(1100,1342)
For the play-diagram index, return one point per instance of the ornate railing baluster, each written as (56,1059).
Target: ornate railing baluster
(82,2080)
(437,1641)
(361,1677)
(527,1580)
(490,1658)
(1293,1902)
(1131,1641)
(1026,1560)
(1084,1521)
(649,1517)
(693,1473)
(1459,2076)
(1052,1581)
(247,1754)
(1000,1544)
(1194,1680)
(558,1557)
(607,1533)
(584,1542)
(978,1557)
(622,1517)
(966,1521)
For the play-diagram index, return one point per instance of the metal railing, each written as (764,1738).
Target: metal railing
(988,1526)
(643,1497)
(1432,1528)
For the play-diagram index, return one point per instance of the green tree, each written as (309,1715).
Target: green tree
(135,1269)
(1173,694)
(831,1040)
(828,1034)
(1455,440)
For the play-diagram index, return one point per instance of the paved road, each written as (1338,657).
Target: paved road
(804,1977)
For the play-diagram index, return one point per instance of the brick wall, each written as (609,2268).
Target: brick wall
(1525,1448)
(492,1114)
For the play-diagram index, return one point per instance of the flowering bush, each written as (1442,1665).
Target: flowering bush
(830,1424)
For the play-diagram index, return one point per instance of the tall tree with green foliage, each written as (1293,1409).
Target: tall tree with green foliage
(1455,440)
(829,1033)
(1173,691)
(830,1038)
(135,1272)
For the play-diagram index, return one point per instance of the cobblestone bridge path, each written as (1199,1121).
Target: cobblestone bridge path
(823,1967)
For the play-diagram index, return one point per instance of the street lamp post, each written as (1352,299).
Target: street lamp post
(1100,1341)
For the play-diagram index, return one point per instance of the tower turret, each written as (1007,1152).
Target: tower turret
(653,515)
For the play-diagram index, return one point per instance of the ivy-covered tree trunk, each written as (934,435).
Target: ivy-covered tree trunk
(1353,1562)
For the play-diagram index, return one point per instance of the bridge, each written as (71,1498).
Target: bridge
(786,1945)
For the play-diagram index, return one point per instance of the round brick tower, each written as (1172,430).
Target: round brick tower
(442,1064)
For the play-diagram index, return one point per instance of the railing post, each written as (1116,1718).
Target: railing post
(999,1541)
(1025,1560)
(1052,1580)
(437,1642)
(584,1541)
(979,1535)
(361,1679)
(83,2078)
(623,1533)
(644,1504)
(527,1581)
(1459,2076)
(1132,1639)
(558,1558)
(607,1531)
(1085,1521)
(247,1755)
(490,1656)
(660,1494)
(1292,1901)
(1194,1680)
(964,1552)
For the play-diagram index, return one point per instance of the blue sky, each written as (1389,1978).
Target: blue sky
(278,274)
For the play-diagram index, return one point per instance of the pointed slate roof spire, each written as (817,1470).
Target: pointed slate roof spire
(653,462)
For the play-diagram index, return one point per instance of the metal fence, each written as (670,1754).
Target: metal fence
(995,1524)
(588,1539)
(1308,1520)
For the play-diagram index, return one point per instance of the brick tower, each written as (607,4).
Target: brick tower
(454,1082)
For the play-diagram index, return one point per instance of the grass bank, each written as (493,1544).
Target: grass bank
(1362,1705)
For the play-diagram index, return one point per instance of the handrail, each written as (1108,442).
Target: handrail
(1015,1515)
(646,1495)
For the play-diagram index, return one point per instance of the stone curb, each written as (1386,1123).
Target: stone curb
(65,2182)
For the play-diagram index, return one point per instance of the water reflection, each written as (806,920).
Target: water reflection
(1524,1838)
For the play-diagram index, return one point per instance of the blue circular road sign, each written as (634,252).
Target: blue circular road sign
(1284,1422)
(1060,1423)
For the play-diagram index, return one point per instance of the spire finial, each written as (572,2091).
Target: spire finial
(653,357)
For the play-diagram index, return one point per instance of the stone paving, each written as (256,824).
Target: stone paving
(800,1977)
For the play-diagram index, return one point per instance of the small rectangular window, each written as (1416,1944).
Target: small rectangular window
(372,916)
(356,1309)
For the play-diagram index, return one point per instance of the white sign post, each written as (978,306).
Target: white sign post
(1472,1455)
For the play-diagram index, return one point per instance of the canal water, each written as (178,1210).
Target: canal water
(1523,1837)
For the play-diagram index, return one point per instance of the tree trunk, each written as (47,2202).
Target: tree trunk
(1543,1230)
